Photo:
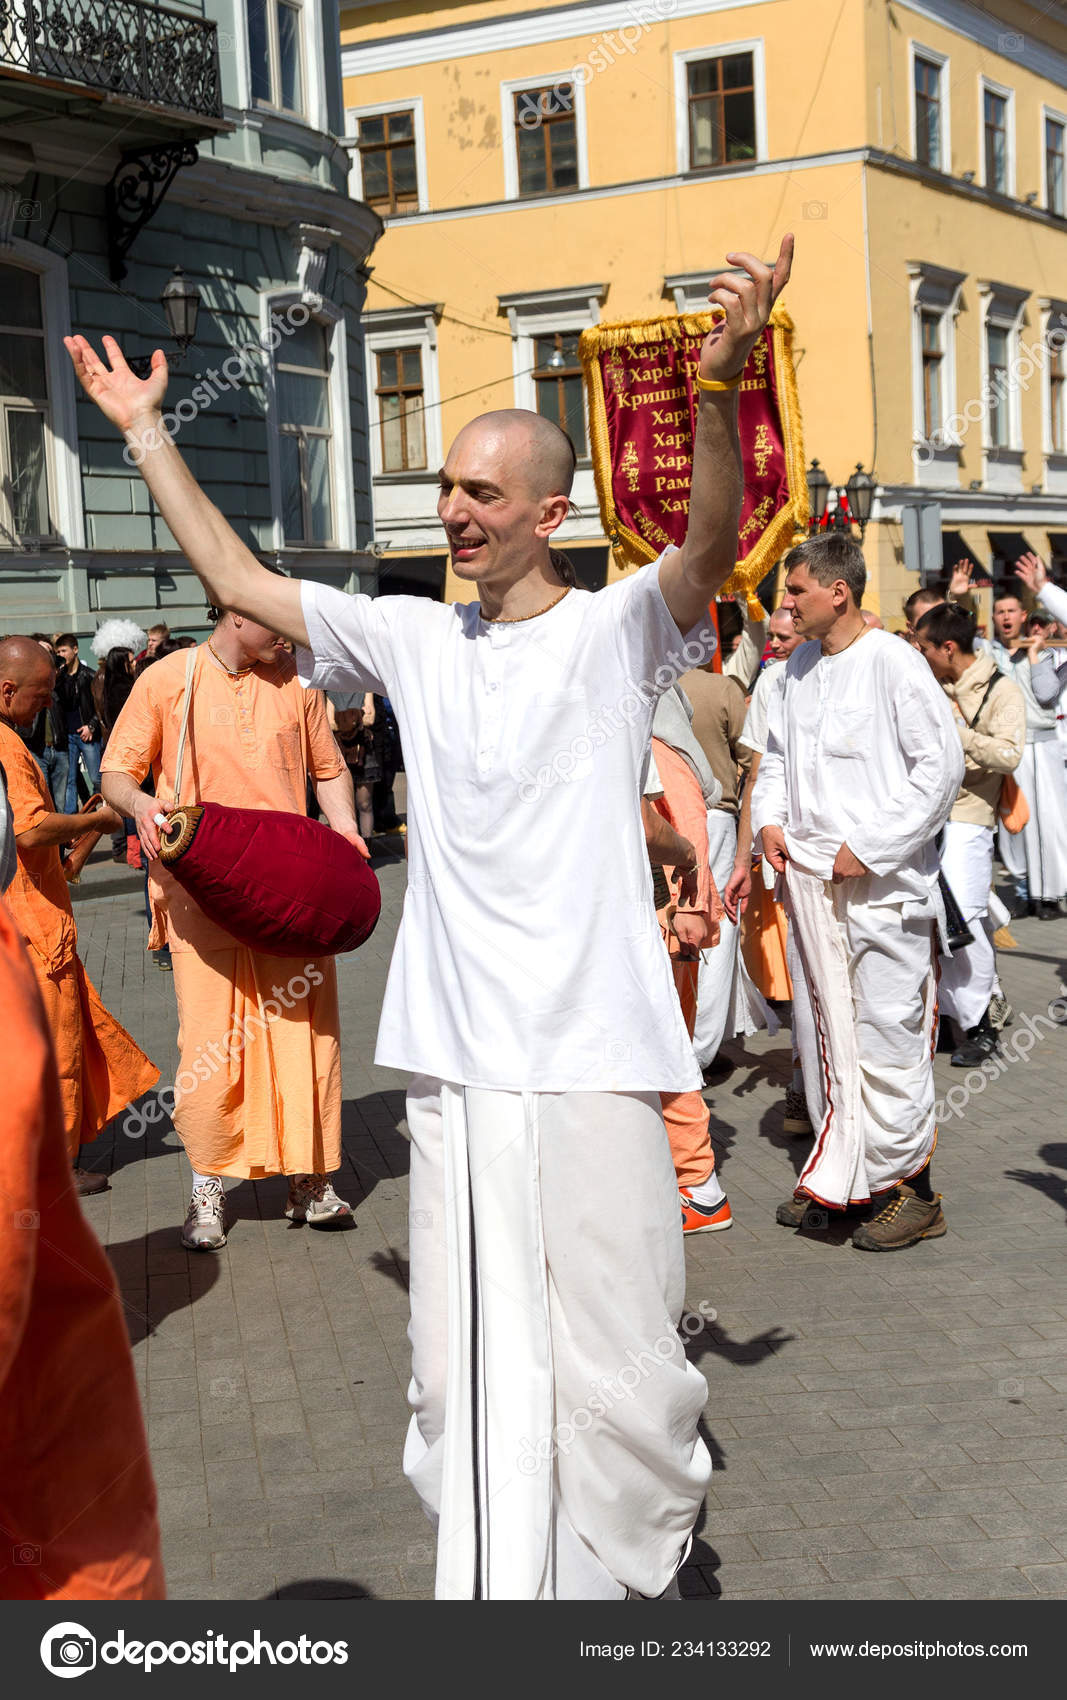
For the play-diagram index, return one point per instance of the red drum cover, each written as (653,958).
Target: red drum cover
(279,883)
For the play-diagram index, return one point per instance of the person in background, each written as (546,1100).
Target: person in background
(101,1068)
(74,688)
(46,737)
(115,644)
(862,767)
(1036,858)
(155,637)
(990,718)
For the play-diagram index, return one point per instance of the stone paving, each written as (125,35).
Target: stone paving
(883,1427)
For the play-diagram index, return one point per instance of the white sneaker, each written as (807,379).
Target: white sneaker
(205,1223)
(312,1199)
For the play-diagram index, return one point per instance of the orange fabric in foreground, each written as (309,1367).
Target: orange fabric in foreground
(763,941)
(101,1068)
(77,1498)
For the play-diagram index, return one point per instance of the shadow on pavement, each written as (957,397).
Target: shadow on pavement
(156,1277)
(1053,1186)
(323,1588)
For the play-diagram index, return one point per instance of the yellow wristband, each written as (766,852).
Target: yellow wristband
(715,384)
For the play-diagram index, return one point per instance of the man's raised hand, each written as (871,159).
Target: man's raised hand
(119,395)
(960,582)
(1031,569)
(746,303)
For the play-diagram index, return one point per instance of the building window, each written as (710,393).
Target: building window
(401,409)
(998,345)
(928,136)
(387,162)
(546,139)
(995,120)
(302,371)
(1056,336)
(275,53)
(25,505)
(1055,150)
(722,110)
(557,379)
(933,355)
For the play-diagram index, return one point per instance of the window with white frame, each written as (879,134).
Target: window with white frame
(1002,320)
(998,140)
(720,109)
(276,54)
(546,327)
(930,96)
(936,297)
(1055,142)
(305,430)
(26,499)
(402,392)
(544,133)
(1055,338)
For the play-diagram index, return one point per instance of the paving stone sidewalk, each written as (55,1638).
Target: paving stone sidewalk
(883,1427)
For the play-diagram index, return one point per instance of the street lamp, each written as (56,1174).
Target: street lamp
(818,491)
(860,492)
(180,301)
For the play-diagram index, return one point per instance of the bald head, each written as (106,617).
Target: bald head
(782,635)
(26,680)
(533,447)
(870,619)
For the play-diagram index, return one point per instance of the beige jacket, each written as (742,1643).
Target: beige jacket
(994,746)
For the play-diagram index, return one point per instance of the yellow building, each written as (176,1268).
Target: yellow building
(545,168)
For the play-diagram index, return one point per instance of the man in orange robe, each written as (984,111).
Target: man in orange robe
(258,1090)
(77,1499)
(101,1069)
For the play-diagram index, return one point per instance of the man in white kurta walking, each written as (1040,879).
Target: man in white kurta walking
(554,1440)
(861,770)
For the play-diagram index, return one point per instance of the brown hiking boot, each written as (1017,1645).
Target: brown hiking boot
(802,1213)
(903,1220)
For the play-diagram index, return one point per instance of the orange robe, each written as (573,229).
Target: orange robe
(77,1498)
(763,941)
(101,1069)
(258,1090)
(685,1114)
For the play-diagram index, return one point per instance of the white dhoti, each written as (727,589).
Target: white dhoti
(864,1004)
(968,975)
(1036,857)
(554,1442)
(727,1000)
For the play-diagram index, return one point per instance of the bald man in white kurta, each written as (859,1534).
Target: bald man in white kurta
(554,1437)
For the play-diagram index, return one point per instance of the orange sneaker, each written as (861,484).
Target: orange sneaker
(697,1220)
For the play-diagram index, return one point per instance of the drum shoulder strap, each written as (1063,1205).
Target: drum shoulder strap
(190,668)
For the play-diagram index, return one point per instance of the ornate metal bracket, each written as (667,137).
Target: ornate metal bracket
(138,186)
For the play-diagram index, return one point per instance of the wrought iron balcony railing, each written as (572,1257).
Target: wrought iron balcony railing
(143,52)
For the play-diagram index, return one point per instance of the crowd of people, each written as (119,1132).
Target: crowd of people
(795,824)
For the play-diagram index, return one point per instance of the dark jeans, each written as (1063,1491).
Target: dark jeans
(89,756)
(53,764)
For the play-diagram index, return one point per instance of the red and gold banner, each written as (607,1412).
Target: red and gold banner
(640,382)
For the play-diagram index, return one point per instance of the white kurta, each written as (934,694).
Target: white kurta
(862,749)
(1036,858)
(530,991)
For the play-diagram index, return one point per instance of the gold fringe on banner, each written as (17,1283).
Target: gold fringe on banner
(628,547)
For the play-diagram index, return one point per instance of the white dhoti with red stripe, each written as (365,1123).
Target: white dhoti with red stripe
(864,1013)
(554,1442)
